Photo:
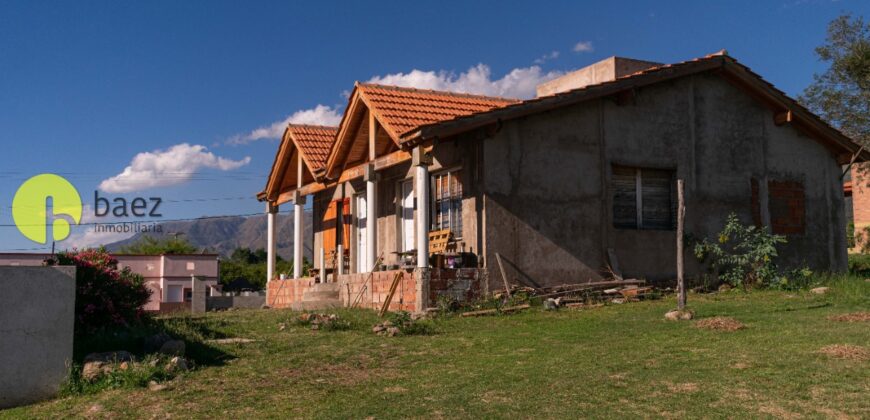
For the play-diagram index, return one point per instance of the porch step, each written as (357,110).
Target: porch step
(325,287)
(316,296)
(314,306)
(319,296)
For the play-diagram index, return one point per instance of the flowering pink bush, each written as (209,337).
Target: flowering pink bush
(105,296)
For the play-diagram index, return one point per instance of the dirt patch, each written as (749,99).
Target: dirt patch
(720,323)
(395,390)
(683,388)
(853,317)
(740,365)
(846,351)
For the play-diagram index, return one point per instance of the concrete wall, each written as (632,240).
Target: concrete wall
(37,311)
(546,184)
(215,303)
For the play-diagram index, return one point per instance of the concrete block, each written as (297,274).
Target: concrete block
(37,313)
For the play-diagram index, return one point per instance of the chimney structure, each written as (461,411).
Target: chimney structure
(606,70)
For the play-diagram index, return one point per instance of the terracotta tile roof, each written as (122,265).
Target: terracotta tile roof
(401,109)
(314,141)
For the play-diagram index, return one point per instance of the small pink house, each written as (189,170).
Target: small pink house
(168,276)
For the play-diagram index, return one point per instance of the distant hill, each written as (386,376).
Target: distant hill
(225,234)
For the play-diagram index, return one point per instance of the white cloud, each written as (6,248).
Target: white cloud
(172,166)
(583,47)
(319,115)
(518,83)
(552,55)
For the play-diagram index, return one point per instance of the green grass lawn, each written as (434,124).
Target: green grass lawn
(615,361)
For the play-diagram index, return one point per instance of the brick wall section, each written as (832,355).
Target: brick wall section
(860,196)
(462,284)
(282,293)
(787,207)
(372,288)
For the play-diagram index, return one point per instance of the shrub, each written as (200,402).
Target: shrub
(409,326)
(859,264)
(743,255)
(138,375)
(106,297)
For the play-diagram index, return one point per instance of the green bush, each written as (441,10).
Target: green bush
(859,264)
(743,255)
(408,326)
(106,297)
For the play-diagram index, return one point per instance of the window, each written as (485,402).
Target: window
(447,202)
(191,266)
(643,198)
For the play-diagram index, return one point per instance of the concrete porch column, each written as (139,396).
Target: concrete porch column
(421,216)
(271,230)
(371,217)
(298,230)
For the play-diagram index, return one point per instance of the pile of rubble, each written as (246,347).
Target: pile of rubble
(319,321)
(163,347)
(386,328)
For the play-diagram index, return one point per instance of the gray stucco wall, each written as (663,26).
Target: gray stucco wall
(37,308)
(547,204)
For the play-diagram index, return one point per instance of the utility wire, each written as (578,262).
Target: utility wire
(154,220)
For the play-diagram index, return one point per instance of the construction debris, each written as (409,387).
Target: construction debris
(505,310)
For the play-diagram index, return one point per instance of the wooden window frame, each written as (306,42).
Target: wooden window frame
(638,189)
(434,199)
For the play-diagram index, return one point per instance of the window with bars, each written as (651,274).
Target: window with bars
(447,202)
(643,198)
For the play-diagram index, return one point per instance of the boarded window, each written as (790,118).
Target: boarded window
(786,205)
(643,198)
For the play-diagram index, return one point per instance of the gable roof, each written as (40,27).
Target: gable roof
(724,65)
(399,110)
(314,141)
(311,143)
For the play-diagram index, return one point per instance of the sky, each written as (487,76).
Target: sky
(186,100)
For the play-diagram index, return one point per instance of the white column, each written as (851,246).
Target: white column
(322,265)
(421,216)
(339,259)
(271,226)
(371,217)
(298,229)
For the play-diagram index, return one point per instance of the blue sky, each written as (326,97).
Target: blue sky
(87,86)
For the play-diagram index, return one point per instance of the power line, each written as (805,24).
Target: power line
(155,220)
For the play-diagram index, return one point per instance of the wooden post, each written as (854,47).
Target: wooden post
(507,287)
(681,216)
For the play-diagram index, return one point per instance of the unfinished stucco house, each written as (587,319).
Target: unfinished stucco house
(440,186)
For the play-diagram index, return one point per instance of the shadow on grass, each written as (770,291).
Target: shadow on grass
(193,330)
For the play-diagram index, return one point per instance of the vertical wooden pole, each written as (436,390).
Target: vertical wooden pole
(681,216)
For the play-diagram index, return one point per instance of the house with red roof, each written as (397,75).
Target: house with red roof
(421,195)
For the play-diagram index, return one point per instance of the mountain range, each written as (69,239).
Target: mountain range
(223,235)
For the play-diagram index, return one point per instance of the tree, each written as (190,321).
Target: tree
(151,245)
(250,265)
(841,95)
